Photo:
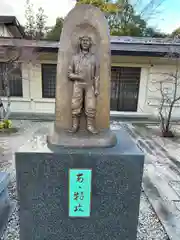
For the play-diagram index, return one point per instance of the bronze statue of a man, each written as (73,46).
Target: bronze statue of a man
(83,71)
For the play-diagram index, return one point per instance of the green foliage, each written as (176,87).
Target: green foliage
(126,22)
(104,5)
(123,19)
(150,32)
(55,32)
(5,124)
(176,32)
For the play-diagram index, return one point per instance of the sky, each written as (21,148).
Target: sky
(167,20)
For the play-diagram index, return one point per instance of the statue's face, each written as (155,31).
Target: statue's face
(85,43)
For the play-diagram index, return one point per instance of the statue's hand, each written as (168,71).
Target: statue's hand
(96,93)
(96,82)
(71,76)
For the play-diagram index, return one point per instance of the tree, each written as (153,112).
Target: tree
(126,23)
(176,32)
(106,6)
(169,89)
(30,28)
(126,19)
(40,23)
(55,32)
(35,24)
(151,32)
(147,9)
(9,70)
(130,20)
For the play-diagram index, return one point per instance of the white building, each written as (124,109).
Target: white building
(137,66)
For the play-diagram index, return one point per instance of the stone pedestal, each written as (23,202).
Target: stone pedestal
(42,184)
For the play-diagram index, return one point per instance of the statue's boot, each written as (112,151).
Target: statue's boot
(75,125)
(90,126)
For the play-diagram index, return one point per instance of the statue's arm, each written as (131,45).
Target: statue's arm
(71,69)
(71,75)
(96,78)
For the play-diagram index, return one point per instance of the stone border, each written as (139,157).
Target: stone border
(5,203)
(159,193)
(8,130)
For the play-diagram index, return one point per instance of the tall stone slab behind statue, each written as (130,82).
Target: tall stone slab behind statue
(83,22)
(52,204)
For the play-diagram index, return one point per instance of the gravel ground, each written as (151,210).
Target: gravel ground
(149,227)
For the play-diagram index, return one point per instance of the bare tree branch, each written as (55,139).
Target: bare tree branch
(150,9)
(13,58)
(168,89)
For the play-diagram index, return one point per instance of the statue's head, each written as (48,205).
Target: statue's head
(85,43)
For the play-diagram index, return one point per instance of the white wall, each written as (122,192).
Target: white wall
(158,73)
(33,102)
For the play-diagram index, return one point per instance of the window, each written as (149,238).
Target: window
(48,80)
(124,88)
(14,75)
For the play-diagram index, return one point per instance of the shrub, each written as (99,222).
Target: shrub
(5,124)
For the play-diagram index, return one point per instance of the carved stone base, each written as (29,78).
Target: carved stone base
(42,185)
(82,139)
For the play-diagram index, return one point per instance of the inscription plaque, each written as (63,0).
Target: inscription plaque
(80,192)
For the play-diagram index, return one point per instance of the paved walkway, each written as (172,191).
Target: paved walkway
(161,180)
(10,144)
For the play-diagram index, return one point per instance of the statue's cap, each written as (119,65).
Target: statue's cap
(85,37)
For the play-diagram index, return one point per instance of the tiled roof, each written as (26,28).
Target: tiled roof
(7,19)
(145,40)
(128,44)
(14,26)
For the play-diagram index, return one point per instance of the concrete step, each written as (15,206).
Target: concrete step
(119,116)
(161,184)
(134,117)
(163,199)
